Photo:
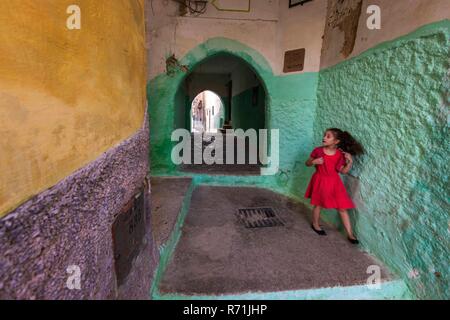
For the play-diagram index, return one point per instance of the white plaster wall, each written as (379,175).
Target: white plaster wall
(259,10)
(168,33)
(303,27)
(272,28)
(398,17)
(212,101)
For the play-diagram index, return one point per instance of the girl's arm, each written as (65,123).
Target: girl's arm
(311,161)
(348,165)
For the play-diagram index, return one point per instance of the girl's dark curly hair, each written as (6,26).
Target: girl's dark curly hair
(346,142)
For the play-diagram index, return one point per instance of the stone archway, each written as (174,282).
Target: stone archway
(163,94)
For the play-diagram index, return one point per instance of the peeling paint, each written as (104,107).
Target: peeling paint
(287,97)
(390,98)
(396,88)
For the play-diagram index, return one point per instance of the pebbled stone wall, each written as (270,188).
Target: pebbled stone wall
(70,224)
(394,99)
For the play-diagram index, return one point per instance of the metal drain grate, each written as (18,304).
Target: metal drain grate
(259,217)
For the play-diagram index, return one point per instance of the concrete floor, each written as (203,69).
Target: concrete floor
(166,201)
(217,255)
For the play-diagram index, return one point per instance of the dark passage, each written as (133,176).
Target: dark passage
(221,93)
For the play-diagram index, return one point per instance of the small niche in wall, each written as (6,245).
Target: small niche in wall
(294,60)
(128,233)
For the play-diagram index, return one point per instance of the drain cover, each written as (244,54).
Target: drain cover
(259,217)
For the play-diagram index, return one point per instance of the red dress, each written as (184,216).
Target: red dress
(326,188)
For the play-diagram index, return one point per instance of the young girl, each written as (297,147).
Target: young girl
(326,189)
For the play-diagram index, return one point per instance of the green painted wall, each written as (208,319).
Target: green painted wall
(392,98)
(288,97)
(182,111)
(244,114)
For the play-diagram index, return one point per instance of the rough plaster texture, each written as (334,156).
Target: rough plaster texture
(392,99)
(70,224)
(404,82)
(398,18)
(63,92)
(342,23)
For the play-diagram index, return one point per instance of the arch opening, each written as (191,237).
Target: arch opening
(207,113)
(232,82)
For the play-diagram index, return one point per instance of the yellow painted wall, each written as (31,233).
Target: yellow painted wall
(66,96)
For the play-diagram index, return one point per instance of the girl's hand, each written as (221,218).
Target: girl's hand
(317,161)
(348,157)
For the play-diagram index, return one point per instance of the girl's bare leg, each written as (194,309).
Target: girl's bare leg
(316,218)
(347,224)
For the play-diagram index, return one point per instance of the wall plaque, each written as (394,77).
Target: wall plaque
(294,60)
(128,234)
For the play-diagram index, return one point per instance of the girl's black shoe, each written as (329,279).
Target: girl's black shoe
(319,232)
(354,241)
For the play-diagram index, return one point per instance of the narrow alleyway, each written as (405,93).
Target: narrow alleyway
(241,169)
(217,255)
